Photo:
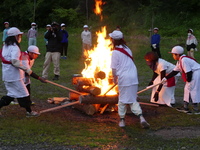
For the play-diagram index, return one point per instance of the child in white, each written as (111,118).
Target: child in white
(161,69)
(125,75)
(190,70)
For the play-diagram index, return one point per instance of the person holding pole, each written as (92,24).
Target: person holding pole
(124,74)
(13,73)
(164,93)
(190,70)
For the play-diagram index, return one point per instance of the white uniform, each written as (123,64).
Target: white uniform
(86,37)
(166,95)
(12,76)
(191,39)
(127,81)
(192,87)
(28,64)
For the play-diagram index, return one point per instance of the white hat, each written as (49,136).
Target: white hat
(62,24)
(116,35)
(190,30)
(177,50)
(85,26)
(6,22)
(33,49)
(14,31)
(48,25)
(33,24)
(155,28)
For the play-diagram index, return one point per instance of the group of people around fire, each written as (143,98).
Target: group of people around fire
(16,68)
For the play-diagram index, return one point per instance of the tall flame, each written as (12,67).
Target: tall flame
(98,10)
(99,59)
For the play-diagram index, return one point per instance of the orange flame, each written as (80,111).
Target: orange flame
(98,10)
(99,59)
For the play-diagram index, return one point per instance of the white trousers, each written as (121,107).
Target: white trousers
(135,108)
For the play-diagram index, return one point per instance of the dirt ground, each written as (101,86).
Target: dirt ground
(108,117)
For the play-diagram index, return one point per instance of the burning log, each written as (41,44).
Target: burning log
(108,99)
(89,109)
(100,75)
(91,89)
(74,96)
(80,81)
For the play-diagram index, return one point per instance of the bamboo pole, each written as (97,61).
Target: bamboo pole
(58,107)
(63,87)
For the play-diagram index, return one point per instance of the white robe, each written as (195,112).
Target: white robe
(193,87)
(166,95)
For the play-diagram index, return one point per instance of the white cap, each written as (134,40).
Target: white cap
(190,30)
(48,25)
(6,22)
(85,26)
(33,24)
(155,28)
(14,31)
(62,24)
(33,49)
(177,50)
(116,35)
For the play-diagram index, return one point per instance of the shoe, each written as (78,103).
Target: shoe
(194,112)
(197,113)
(182,109)
(32,114)
(56,77)
(14,103)
(121,123)
(145,124)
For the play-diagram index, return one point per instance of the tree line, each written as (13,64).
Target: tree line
(169,14)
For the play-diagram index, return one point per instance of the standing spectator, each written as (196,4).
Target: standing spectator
(13,73)
(54,47)
(86,40)
(48,27)
(32,34)
(164,93)
(155,42)
(191,43)
(6,24)
(125,75)
(64,41)
(28,58)
(190,70)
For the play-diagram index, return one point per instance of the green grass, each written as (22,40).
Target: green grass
(55,128)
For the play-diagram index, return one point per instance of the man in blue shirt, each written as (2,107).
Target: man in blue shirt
(155,42)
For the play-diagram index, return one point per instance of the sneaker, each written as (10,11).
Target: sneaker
(145,125)
(121,123)
(182,109)
(194,112)
(56,77)
(32,114)
(14,103)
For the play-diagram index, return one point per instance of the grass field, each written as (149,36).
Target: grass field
(55,131)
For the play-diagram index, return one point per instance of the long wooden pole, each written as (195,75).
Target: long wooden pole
(58,107)
(109,89)
(63,87)
(149,87)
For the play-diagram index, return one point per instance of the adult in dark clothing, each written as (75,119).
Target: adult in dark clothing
(155,42)
(54,37)
(64,41)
